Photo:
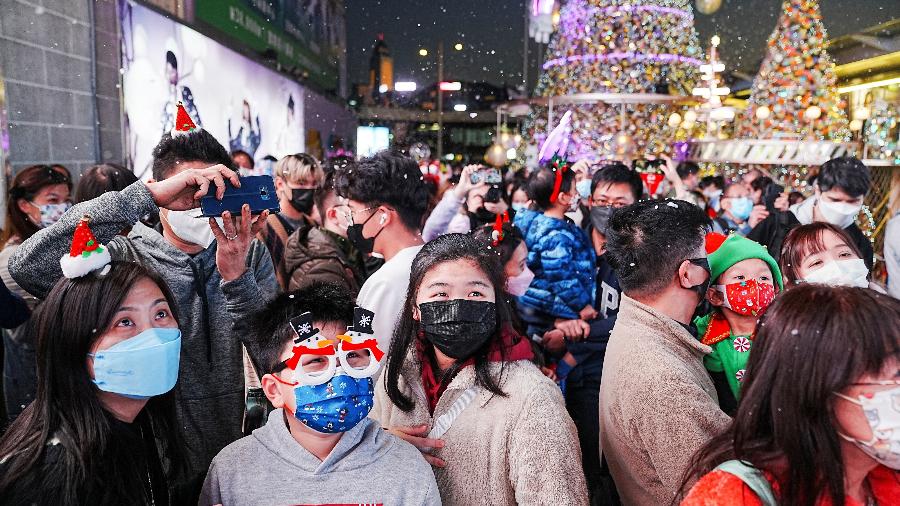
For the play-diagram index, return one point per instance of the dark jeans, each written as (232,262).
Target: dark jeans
(583,404)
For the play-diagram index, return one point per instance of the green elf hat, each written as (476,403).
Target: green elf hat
(725,251)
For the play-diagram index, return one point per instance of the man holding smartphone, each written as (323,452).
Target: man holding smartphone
(218,273)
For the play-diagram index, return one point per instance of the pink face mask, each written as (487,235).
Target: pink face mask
(747,297)
(518,285)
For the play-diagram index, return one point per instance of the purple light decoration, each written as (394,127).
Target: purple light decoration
(681,151)
(643,8)
(655,57)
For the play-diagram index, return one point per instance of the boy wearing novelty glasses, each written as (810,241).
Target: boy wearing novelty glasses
(318,446)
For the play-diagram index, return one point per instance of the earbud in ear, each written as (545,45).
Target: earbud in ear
(383,219)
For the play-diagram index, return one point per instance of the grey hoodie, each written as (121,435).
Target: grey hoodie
(368,466)
(210,389)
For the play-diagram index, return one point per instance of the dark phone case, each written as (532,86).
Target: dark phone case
(258,191)
(771,195)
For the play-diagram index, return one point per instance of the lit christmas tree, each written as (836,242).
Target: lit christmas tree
(618,46)
(794,95)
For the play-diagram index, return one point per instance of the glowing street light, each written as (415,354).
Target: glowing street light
(458,46)
(423,52)
(404,86)
(460,107)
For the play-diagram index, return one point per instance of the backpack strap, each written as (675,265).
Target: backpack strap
(753,478)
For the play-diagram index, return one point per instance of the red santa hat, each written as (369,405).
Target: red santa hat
(183,122)
(86,254)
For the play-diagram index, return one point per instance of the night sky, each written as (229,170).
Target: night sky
(492,30)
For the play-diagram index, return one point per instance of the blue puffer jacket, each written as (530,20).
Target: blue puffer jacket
(562,259)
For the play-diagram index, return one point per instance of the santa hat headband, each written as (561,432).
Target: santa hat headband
(183,123)
(497,232)
(86,254)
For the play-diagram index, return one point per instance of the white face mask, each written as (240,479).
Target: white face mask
(882,411)
(190,227)
(841,273)
(519,285)
(573,204)
(839,214)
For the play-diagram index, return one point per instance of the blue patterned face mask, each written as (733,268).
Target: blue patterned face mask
(335,406)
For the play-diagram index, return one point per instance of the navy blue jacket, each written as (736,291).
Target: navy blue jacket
(562,259)
(590,352)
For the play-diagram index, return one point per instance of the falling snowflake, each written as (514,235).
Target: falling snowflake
(305,328)
(365,320)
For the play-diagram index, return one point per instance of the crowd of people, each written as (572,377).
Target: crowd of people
(551,336)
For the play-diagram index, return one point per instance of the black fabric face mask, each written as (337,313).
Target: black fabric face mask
(600,218)
(458,327)
(703,263)
(302,199)
(364,244)
(483,216)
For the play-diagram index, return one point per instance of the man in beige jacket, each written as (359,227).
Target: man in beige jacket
(657,403)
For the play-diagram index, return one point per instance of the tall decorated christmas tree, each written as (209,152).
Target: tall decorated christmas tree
(618,46)
(794,95)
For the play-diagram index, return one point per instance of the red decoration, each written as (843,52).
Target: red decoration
(652,180)
(497,233)
(183,121)
(83,240)
(368,344)
(713,241)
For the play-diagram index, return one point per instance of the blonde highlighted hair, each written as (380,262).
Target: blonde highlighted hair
(298,168)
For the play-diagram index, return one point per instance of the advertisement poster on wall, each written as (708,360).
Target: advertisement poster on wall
(243,104)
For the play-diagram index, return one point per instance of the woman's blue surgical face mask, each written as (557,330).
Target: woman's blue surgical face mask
(584,189)
(741,207)
(141,366)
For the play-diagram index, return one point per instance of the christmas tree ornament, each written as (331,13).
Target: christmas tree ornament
(495,155)
(86,254)
(708,6)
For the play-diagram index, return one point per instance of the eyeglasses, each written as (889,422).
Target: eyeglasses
(602,202)
(315,361)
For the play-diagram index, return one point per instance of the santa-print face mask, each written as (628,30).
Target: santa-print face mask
(747,298)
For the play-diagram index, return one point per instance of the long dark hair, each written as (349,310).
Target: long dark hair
(27,183)
(74,315)
(448,248)
(814,340)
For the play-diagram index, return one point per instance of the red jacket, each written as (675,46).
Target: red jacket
(720,488)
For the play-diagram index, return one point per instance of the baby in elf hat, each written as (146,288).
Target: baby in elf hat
(745,279)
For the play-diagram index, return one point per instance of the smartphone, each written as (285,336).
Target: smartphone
(489,176)
(258,191)
(770,195)
(642,165)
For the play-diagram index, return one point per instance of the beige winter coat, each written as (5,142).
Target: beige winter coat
(519,449)
(658,405)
